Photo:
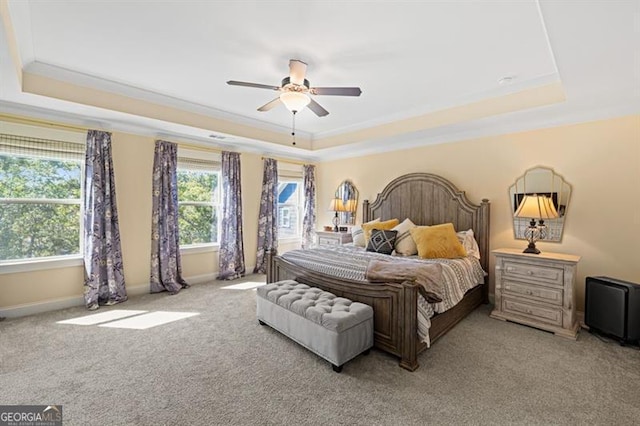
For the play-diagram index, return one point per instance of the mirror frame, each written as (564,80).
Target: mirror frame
(347,191)
(557,188)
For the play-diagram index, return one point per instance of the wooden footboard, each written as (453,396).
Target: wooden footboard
(426,199)
(395,306)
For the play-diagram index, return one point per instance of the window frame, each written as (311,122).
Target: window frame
(26,264)
(215,204)
(300,204)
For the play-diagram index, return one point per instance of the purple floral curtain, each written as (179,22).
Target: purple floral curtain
(309,218)
(104,276)
(166,271)
(231,254)
(268,218)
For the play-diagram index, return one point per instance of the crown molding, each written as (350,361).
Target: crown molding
(106,85)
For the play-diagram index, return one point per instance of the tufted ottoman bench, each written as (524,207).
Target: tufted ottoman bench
(334,328)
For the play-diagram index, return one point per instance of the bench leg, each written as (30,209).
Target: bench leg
(337,368)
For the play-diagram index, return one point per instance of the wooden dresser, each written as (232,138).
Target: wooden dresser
(536,290)
(333,238)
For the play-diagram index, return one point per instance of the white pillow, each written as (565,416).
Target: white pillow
(357,234)
(469,243)
(405,246)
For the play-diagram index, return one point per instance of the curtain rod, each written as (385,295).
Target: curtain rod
(285,160)
(37,121)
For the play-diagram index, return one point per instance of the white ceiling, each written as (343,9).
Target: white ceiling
(409,58)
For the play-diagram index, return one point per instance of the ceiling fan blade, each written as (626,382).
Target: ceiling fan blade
(269,105)
(297,71)
(317,109)
(256,85)
(336,91)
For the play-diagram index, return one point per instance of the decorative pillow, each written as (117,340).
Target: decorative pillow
(439,241)
(468,241)
(383,226)
(405,246)
(357,234)
(382,241)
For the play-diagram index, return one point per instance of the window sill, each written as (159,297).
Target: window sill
(18,266)
(200,248)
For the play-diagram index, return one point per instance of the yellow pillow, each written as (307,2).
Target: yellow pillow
(383,226)
(439,241)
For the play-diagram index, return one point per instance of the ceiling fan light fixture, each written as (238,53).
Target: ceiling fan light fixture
(294,101)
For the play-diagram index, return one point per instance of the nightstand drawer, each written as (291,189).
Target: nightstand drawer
(534,292)
(546,274)
(324,241)
(540,313)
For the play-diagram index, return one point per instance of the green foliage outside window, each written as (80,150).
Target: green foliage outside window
(198,196)
(28,228)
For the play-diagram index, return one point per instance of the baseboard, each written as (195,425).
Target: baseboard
(40,307)
(74,301)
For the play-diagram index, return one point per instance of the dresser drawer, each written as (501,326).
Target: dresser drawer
(535,292)
(548,315)
(547,274)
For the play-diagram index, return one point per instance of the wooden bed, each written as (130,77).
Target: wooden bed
(426,199)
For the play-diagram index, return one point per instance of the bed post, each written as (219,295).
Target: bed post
(484,246)
(365,211)
(271,266)
(409,335)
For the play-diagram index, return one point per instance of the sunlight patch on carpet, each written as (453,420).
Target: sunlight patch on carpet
(152,319)
(93,319)
(244,286)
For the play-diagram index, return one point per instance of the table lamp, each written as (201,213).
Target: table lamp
(535,207)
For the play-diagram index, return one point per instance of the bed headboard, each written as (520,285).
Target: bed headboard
(428,199)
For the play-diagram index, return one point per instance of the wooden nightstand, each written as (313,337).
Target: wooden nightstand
(333,238)
(536,290)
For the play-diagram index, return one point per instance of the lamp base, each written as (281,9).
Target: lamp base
(531,249)
(336,220)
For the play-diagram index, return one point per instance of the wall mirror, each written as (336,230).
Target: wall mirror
(541,181)
(348,195)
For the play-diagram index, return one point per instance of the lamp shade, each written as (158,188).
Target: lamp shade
(536,207)
(336,205)
(294,101)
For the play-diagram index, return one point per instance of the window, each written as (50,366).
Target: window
(198,201)
(290,204)
(40,198)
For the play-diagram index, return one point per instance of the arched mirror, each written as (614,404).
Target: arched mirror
(541,181)
(348,196)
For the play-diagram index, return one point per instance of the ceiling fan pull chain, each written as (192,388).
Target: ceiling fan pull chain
(293,131)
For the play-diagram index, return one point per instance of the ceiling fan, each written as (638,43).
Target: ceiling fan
(295,90)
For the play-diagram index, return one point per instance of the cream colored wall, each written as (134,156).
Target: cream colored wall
(601,160)
(133,163)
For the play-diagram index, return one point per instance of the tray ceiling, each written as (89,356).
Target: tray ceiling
(424,67)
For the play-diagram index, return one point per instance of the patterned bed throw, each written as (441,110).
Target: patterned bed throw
(350,262)
(428,276)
